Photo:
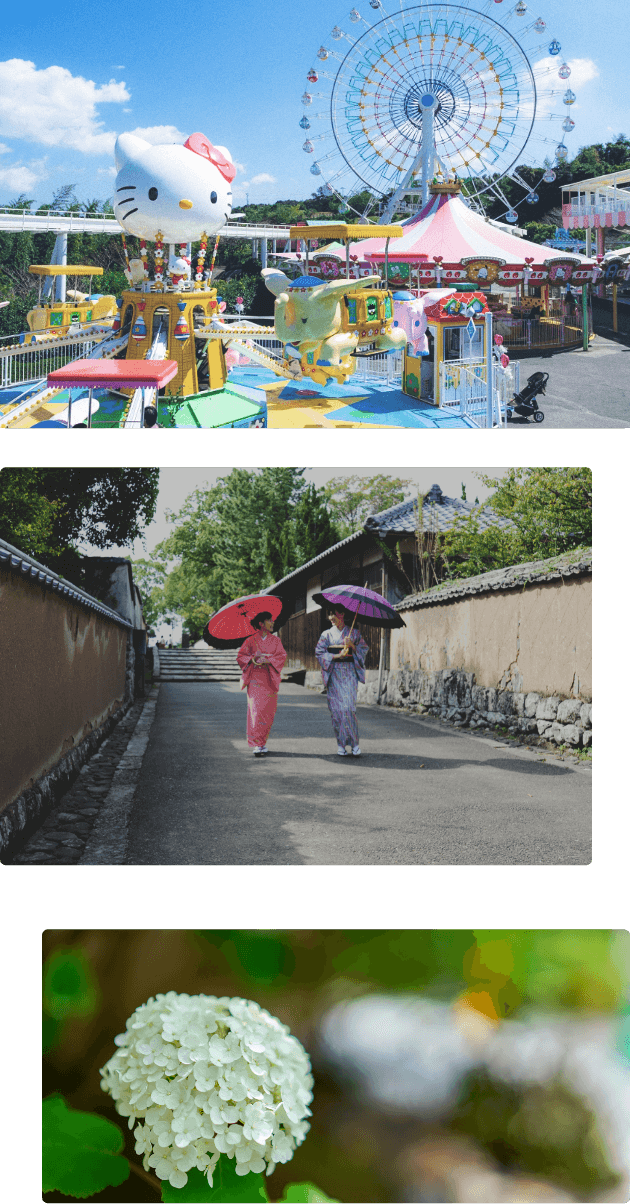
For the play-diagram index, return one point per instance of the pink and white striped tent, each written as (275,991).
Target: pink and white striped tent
(449,236)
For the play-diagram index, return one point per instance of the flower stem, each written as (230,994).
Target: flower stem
(151,1179)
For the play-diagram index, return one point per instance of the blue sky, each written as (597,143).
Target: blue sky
(72,78)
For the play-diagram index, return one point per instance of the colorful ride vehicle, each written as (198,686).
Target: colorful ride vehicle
(78,310)
(324,325)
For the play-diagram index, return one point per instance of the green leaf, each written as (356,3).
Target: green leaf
(226,1186)
(80,1151)
(305,1193)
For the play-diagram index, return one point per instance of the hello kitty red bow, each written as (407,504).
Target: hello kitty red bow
(202,146)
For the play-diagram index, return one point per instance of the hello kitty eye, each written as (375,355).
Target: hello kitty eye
(153,194)
(213,197)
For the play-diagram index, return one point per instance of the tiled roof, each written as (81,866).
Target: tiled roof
(439,512)
(26,566)
(578,563)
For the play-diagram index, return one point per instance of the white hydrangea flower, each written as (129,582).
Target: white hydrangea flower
(206,1077)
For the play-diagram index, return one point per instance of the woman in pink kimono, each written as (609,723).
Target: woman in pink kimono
(261,658)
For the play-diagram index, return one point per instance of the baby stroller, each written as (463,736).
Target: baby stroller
(525,402)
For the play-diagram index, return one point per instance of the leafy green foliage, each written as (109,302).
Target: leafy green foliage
(305,1193)
(551,513)
(264,958)
(352,499)
(226,1186)
(230,1188)
(573,970)
(540,231)
(69,991)
(247,531)
(45,511)
(80,1151)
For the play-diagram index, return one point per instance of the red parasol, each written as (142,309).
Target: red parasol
(231,625)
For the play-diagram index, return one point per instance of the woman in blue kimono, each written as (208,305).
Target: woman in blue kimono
(341,676)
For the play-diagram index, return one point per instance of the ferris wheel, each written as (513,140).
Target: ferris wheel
(432,88)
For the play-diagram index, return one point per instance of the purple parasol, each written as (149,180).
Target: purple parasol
(371,608)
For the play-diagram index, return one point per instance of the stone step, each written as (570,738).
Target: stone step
(201,660)
(197,677)
(198,664)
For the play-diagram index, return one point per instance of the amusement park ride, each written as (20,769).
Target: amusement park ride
(429,108)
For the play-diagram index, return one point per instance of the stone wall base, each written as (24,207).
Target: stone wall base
(452,695)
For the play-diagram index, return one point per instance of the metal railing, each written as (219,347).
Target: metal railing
(387,365)
(30,363)
(620,203)
(559,328)
(463,390)
(33,362)
(61,223)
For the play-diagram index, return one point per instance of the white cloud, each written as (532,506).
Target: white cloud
(240,188)
(106,171)
(4,149)
(582,72)
(159,134)
(548,80)
(18,178)
(54,107)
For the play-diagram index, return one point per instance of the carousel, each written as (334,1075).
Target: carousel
(528,287)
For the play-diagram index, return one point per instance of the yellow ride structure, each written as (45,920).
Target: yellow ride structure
(56,317)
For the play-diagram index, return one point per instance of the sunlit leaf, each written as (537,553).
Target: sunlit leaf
(80,1151)
(226,1186)
(305,1193)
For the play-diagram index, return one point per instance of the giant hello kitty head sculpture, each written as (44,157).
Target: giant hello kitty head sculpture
(178,190)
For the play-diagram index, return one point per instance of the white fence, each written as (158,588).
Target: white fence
(464,390)
(387,365)
(606,204)
(31,362)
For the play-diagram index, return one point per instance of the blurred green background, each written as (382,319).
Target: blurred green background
(93,980)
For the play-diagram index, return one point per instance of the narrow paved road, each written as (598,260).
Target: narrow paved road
(422,793)
(585,389)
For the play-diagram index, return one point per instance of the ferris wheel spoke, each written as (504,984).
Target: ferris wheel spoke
(462,55)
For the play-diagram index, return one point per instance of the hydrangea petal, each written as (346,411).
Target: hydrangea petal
(207,1076)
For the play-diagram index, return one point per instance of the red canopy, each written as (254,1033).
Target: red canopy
(117,374)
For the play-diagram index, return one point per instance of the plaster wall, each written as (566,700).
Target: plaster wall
(63,674)
(537,639)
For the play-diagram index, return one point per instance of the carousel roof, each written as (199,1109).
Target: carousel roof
(446,227)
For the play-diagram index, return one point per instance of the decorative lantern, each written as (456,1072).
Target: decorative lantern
(305,123)
(532,198)
(569,97)
(511,215)
(555,47)
(354,15)
(316,169)
(323,53)
(312,76)
(307,99)
(568,124)
(564,71)
(540,25)
(308,147)
(562,152)
(181,331)
(337,33)
(139,329)
(520,9)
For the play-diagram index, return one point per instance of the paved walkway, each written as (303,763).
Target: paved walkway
(585,389)
(423,793)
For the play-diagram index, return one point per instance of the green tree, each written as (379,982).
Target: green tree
(550,511)
(242,534)
(352,499)
(28,516)
(47,511)
(150,577)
